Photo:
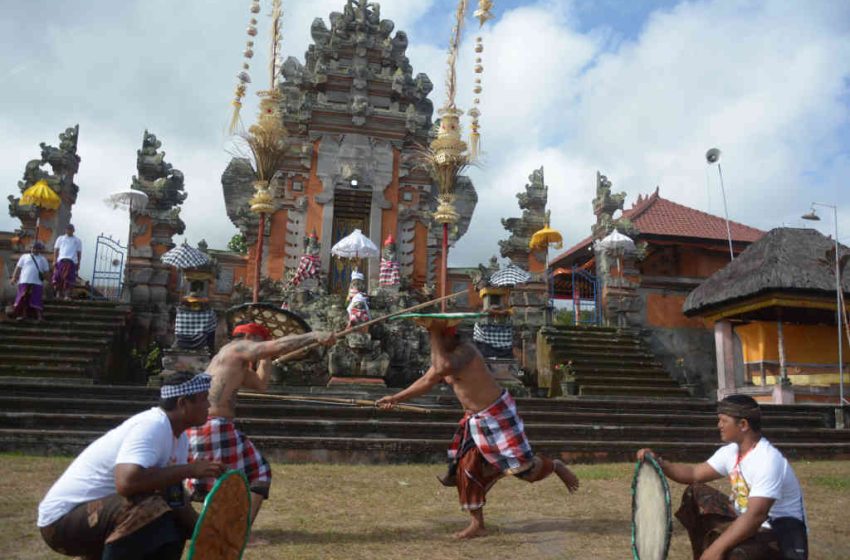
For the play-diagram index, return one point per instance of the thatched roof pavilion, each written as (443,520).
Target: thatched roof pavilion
(789,274)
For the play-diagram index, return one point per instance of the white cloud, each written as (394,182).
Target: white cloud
(764,81)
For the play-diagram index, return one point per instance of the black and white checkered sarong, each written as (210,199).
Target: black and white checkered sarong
(497,336)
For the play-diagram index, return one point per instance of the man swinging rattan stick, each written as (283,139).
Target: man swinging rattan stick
(231,369)
(490,441)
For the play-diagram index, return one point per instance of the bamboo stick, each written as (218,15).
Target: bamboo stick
(337,400)
(348,331)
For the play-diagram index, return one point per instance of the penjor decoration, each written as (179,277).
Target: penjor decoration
(447,156)
(483,14)
(267,139)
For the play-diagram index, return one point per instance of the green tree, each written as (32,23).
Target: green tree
(237,244)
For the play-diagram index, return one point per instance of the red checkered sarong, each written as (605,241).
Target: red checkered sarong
(389,275)
(219,440)
(308,267)
(499,435)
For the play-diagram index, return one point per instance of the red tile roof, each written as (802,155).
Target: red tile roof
(653,215)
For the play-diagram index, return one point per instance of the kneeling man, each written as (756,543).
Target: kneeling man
(764,518)
(490,441)
(123,496)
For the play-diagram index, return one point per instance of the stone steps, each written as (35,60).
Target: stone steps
(56,419)
(250,408)
(632,390)
(74,342)
(403,428)
(608,362)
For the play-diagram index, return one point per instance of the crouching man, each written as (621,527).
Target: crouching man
(764,518)
(123,497)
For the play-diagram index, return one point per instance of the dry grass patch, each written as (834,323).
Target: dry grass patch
(392,512)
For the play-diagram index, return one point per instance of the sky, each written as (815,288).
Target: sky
(637,90)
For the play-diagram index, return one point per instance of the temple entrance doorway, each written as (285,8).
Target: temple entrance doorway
(351,211)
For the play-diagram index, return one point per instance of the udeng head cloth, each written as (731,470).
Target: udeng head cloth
(197,384)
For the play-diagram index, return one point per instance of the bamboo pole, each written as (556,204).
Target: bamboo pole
(337,400)
(350,330)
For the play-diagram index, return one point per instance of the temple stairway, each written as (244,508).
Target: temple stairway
(56,419)
(79,341)
(610,362)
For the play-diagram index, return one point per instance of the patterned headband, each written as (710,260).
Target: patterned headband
(197,384)
(738,410)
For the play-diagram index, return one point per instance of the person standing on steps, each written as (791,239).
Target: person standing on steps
(29,275)
(67,252)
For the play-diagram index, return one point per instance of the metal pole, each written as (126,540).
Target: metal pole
(839,314)
(444,273)
(726,213)
(259,260)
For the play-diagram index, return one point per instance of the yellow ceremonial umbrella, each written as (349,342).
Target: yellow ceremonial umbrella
(541,239)
(545,237)
(41,196)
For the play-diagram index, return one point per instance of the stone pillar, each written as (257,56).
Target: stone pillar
(724,343)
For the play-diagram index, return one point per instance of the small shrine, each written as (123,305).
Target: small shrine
(777,303)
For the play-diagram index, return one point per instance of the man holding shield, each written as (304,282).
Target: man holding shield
(490,441)
(122,497)
(764,518)
(232,369)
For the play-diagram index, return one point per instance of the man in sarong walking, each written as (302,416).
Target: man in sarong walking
(29,275)
(764,518)
(67,252)
(231,369)
(490,442)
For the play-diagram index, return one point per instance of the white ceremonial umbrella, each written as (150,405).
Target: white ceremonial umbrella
(355,245)
(128,200)
(617,242)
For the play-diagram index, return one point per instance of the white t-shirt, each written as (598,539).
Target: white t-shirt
(68,247)
(29,273)
(146,440)
(762,473)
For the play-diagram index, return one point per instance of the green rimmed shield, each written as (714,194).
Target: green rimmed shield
(224,525)
(652,519)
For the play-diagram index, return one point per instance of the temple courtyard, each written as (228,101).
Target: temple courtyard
(389,512)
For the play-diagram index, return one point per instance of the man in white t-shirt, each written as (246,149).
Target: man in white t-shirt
(67,252)
(123,497)
(764,517)
(29,274)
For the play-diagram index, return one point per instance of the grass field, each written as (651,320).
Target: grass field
(401,512)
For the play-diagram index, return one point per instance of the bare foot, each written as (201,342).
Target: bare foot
(473,531)
(567,476)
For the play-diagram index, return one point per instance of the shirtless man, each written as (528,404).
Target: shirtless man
(482,451)
(231,369)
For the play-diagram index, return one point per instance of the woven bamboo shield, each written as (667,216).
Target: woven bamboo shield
(652,521)
(280,322)
(225,522)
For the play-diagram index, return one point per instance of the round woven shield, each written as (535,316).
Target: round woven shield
(224,524)
(451,319)
(652,521)
(280,322)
